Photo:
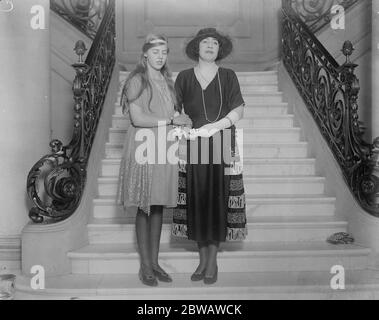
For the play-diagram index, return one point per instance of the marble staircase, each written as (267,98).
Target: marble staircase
(290,216)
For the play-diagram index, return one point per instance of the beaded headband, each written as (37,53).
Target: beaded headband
(154,41)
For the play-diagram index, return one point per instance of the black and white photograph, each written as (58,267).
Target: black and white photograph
(211,152)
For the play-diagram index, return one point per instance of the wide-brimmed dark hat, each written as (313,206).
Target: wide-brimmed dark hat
(226,45)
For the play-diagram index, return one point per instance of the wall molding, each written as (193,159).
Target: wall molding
(239,26)
(61,65)
(10,253)
(357,30)
(252,24)
(63,39)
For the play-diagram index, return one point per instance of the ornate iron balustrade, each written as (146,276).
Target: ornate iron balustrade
(330,92)
(86,15)
(62,174)
(317,13)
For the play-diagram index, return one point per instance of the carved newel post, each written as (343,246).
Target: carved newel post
(63,170)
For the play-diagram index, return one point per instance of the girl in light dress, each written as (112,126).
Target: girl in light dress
(148,100)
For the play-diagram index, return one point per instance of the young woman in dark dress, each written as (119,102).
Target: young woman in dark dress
(211,202)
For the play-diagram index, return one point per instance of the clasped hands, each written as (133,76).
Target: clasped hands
(184,128)
(206,131)
(182,120)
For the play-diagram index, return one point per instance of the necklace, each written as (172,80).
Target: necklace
(205,109)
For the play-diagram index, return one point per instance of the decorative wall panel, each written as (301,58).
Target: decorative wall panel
(253,25)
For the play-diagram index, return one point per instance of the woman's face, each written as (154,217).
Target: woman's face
(208,49)
(157,56)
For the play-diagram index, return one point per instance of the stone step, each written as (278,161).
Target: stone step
(251,135)
(10,259)
(243,77)
(279,167)
(251,150)
(288,206)
(281,285)
(250,110)
(278,206)
(278,150)
(254,97)
(274,121)
(256,257)
(263,97)
(253,185)
(246,87)
(283,185)
(251,166)
(257,77)
(260,109)
(260,229)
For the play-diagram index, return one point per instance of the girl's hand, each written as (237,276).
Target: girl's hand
(182,120)
(182,132)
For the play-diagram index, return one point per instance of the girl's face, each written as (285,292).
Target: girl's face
(208,49)
(157,56)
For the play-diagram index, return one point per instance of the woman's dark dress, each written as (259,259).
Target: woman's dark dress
(204,188)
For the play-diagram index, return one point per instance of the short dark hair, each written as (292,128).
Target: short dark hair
(194,50)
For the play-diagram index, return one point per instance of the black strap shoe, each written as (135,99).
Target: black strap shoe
(212,279)
(198,276)
(161,275)
(146,279)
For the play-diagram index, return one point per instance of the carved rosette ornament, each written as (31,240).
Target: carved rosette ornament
(6,5)
(317,13)
(86,15)
(330,92)
(59,176)
(56,182)
(310,10)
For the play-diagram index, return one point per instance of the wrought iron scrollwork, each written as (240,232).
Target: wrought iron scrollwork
(330,92)
(56,182)
(317,13)
(86,15)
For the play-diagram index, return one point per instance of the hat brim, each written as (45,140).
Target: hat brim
(226,46)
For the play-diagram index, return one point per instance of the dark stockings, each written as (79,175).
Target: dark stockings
(208,257)
(148,231)
(203,254)
(156,220)
(212,258)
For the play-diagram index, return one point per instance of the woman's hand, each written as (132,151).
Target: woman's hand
(182,120)
(207,130)
(182,132)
